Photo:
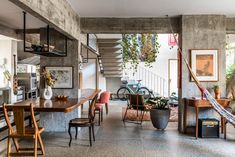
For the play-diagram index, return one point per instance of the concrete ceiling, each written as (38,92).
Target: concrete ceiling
(151,8)
(12,16)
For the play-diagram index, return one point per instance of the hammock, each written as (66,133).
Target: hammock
(218,108)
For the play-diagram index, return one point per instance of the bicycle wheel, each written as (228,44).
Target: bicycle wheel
(145,92)
(122,93)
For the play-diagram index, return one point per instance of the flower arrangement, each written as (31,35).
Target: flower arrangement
(49,78)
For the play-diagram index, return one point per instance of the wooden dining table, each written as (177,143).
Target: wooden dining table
(55,114)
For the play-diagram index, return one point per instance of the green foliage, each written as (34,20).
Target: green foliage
(159,103)
(215,87)
(138,48)
(229,71)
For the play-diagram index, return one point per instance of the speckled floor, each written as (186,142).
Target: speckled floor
(113,139)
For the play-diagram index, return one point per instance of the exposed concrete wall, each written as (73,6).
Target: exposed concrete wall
(4,30)
(202,32)
(57,13)
(230,25)
(128,25)
(70,60)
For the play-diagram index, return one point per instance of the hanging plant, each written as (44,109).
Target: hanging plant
(139,48)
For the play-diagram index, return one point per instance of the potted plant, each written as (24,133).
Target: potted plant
(216,91)
(159,112)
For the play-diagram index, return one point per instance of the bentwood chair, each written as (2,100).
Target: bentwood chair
(21,131)
(104,99)
(135,102)
(84,122)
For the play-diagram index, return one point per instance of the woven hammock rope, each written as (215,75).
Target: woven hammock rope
(218,108)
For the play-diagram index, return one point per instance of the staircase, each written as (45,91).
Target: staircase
(111,57)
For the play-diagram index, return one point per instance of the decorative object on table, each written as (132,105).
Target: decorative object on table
(63,76)
(48,103)
(204,64)
(216,91)
(61,97)
(50,81)
(159,112)
(138,48)
(15,78)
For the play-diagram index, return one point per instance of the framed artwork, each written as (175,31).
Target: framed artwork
(63,76)
(204,64)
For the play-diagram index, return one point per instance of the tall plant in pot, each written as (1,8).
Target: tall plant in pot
(159,112)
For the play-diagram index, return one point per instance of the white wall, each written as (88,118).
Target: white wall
(7,49)
(89,76)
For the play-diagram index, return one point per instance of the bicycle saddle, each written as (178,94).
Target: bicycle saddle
(139,81)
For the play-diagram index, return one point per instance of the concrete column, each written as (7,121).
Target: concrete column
(201,32)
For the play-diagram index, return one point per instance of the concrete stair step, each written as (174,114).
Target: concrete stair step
(112,75)
(111,57)
(112,60)
(108,45)
(113,72)
(109,49)
(118,68)
(116,40)
(110,52)
(115,64)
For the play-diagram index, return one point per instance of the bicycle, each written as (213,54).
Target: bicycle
(133,88)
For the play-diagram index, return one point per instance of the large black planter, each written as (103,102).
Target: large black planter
(160,118)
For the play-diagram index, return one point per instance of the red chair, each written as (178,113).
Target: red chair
(103,100)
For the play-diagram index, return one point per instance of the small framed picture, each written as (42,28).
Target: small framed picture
(204,64)
(63,76)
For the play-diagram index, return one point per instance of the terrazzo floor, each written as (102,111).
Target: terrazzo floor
(114,139)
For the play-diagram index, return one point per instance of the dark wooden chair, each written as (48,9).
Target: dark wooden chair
(84,122)
(21,131)
(136,102)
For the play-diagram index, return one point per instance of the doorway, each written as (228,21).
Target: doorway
(172,76)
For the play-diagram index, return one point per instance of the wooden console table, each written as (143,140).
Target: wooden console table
(199,103)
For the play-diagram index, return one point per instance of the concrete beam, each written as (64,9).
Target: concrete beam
(57,13)
(230,25)
(129,25)
(4,30)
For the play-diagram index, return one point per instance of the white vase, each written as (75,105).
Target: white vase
(47,93)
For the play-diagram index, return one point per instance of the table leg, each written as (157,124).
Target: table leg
(82,108)
(185,117)
(197,111)
(222,125)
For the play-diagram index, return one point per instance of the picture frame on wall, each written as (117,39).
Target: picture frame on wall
(204,64)
(63,76)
